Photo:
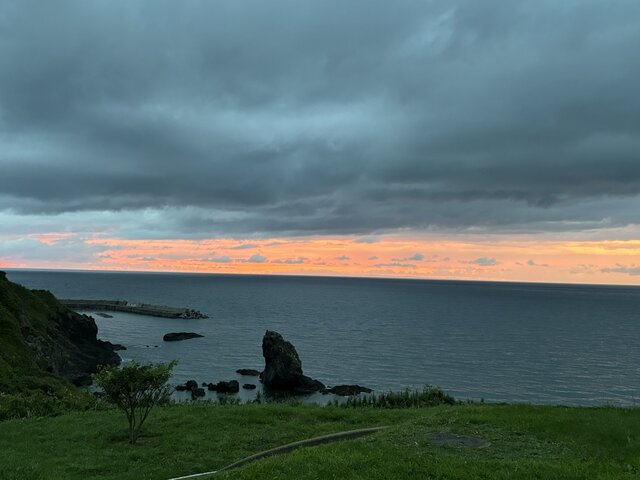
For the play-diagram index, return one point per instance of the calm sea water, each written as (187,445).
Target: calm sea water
(560,344)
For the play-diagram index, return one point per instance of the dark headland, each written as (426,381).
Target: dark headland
(43,343)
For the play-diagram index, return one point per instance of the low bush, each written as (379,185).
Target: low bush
(45,404)
(429,396)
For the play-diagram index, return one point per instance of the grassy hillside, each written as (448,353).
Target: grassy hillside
(44,345)
(527,442)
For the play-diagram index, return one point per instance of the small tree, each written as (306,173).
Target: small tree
(136,389)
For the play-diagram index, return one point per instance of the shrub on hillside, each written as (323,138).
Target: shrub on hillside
(136,389)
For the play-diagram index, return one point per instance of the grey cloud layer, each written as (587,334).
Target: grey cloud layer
(237,117)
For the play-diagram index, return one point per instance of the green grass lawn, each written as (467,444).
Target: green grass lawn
(526,442)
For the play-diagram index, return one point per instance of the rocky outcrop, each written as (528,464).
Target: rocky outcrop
(177,336)
(347,390)
(191,385)
(228,387)
(188,386)
(248,372)
(197,392)
(283,368)
(117,347)
(42,340)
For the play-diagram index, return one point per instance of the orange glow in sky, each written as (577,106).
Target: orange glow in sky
(520,259)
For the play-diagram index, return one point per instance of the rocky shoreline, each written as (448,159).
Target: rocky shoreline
(64,343)
(282,375)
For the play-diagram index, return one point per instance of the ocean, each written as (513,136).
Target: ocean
(511,342)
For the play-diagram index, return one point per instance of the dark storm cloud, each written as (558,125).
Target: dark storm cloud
(237,117)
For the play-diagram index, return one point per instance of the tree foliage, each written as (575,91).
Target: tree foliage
(135,389)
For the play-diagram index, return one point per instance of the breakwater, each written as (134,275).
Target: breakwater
(133,307)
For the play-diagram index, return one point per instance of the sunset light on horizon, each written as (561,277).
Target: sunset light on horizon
(490,258)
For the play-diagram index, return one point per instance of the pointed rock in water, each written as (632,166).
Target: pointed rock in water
(283,368)
(175,336)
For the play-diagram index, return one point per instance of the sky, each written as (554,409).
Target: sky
(493,140)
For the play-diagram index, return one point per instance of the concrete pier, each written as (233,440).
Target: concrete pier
(133,307)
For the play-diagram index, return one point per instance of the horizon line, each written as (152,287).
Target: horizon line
(315,275)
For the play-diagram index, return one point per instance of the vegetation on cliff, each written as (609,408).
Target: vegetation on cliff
(44,346)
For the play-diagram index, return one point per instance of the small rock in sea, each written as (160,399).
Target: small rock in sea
(104,315)
(228,387)
(347,390)
(249,386)
(181,388)
(191,385)
(212,387)
(175,336)
(249,372)
(198,392)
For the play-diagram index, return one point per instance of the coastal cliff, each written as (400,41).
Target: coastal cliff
(43,344)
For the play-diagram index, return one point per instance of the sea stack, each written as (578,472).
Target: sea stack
(283,368)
